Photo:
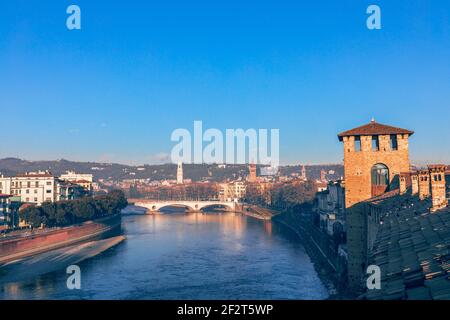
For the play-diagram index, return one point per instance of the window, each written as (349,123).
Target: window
(36,184)
(35,190)
(394,143)
(48,191)
(380,179)
(28,184)
(357,144)
(375,143)
(49,183)
(35,200)
(27,191)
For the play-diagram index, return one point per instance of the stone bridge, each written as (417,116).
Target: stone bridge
(191,206)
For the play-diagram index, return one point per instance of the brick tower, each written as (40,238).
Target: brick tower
(252,176)
(424,184)
(405,182)
(374,156)
(414,183)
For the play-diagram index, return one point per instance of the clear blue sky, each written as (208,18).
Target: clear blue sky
(137,70)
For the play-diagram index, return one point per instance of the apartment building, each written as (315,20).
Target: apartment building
(84,180)
(39,187)
(231,191)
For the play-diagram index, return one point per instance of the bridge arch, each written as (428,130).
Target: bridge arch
(192,206)
(160,208)
(226,207)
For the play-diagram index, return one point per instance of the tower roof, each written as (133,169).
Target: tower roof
(373,128)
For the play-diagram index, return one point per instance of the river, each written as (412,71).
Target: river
(189,256)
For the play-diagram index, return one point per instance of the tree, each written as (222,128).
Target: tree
(69,212)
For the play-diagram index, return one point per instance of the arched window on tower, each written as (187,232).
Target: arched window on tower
(380,179)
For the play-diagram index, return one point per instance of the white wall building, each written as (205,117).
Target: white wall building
(84,180)
(73,176)
(32,187)
(37,187)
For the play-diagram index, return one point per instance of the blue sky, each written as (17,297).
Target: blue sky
(115,90)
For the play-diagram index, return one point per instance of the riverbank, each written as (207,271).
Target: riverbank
(188,256)
(330,266)
(31,242)
(259,212)
(30,267)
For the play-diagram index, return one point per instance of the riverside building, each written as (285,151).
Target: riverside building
(38,187)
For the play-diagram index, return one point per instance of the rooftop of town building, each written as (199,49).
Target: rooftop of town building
(412,249)
(373,128)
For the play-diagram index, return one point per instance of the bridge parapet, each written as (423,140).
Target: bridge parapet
(154,206)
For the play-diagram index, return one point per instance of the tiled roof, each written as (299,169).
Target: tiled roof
(373,128)
(34,175)
(412,249)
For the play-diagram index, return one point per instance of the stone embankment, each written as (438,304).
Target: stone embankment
(32,242)
(259,212)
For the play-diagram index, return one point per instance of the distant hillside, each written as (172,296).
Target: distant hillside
(113,171)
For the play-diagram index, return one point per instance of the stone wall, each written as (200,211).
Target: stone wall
(29,243)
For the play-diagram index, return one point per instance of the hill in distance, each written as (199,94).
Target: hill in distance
(196,172)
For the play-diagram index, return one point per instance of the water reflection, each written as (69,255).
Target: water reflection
(189,256)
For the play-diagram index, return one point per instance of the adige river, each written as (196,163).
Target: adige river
(188,256)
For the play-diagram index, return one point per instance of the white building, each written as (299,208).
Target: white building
(331,208)
(73,176)
(38,187)
(84,180)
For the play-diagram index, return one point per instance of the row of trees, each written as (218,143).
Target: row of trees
(285,196)
(293,195)
(64,213)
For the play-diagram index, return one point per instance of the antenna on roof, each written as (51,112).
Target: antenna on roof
(373,120)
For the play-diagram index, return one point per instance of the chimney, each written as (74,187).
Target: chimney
(414,183)
(438,195)
(405,182)
(424,184)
